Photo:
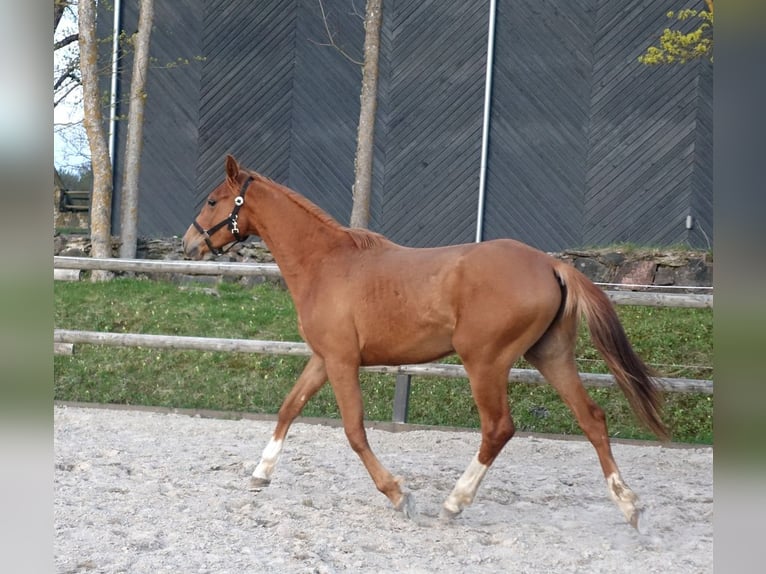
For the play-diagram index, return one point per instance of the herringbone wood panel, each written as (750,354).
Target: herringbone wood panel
(587,146)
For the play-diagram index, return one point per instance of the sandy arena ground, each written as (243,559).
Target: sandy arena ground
(145,492)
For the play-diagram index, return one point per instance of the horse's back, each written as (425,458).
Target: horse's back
(404,305)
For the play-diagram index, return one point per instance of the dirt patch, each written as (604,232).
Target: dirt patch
(148,492)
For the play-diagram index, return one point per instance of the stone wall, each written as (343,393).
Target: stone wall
(629,266)
(662,268)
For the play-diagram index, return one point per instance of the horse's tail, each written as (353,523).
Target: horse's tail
(634,377)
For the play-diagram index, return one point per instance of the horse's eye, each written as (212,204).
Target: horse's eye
(211,202)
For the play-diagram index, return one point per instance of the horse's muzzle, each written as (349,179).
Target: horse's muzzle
(192,242)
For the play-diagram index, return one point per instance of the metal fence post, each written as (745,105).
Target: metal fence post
(401,397)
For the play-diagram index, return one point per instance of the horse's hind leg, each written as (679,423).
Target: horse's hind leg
(310,381)
(489,387)
(553,356)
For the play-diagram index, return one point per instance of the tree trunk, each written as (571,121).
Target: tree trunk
(129,205)
(101,196)
(365,144)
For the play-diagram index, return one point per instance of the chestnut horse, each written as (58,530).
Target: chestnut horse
(364,300)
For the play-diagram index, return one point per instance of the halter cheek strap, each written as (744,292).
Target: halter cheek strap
(230,222)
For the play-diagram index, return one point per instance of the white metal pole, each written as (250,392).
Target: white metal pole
(113,94)
(485,124)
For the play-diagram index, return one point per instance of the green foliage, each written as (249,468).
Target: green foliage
(678,342)
(676,46)
(156,63)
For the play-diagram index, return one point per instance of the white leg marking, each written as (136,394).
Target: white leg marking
(624,497)
(465,488)
(269,458)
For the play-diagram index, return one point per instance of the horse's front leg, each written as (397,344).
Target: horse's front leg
(344,379)
(312,378)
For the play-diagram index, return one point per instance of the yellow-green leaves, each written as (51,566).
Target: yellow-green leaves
(677,47)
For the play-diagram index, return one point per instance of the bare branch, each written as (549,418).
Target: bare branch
(69,73)
(71,39)
(65,93)
(333,43)
(356,12)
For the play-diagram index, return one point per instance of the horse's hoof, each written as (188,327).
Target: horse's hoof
(407,506)
(448,514)
(625,499)
(256,483)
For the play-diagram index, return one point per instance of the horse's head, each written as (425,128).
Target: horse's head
(222,222)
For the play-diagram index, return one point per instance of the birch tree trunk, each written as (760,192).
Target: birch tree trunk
(133,146)
(365,143)
(101,195)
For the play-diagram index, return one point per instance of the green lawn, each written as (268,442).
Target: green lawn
(678,342)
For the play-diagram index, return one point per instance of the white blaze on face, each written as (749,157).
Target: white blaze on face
(269,459)
(467,485)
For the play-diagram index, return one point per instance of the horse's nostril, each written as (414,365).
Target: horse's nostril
(189,248)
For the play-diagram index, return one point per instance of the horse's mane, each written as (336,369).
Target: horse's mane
(362,238)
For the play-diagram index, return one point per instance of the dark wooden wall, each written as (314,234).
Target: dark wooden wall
(587,147)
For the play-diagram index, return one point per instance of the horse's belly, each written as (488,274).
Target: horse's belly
(404,344)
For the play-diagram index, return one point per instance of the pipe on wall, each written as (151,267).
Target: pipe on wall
(485,123)
(113,87)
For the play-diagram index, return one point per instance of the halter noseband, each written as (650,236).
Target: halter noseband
(230,222)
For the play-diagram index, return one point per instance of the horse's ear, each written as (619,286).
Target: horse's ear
(232,167)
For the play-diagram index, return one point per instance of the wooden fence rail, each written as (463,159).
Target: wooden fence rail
(157,266)
(65,339)
(404,373)
(272,270)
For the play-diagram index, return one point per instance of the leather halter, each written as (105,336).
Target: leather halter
(230,222)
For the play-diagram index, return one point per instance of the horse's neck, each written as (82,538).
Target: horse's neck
(296,236)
